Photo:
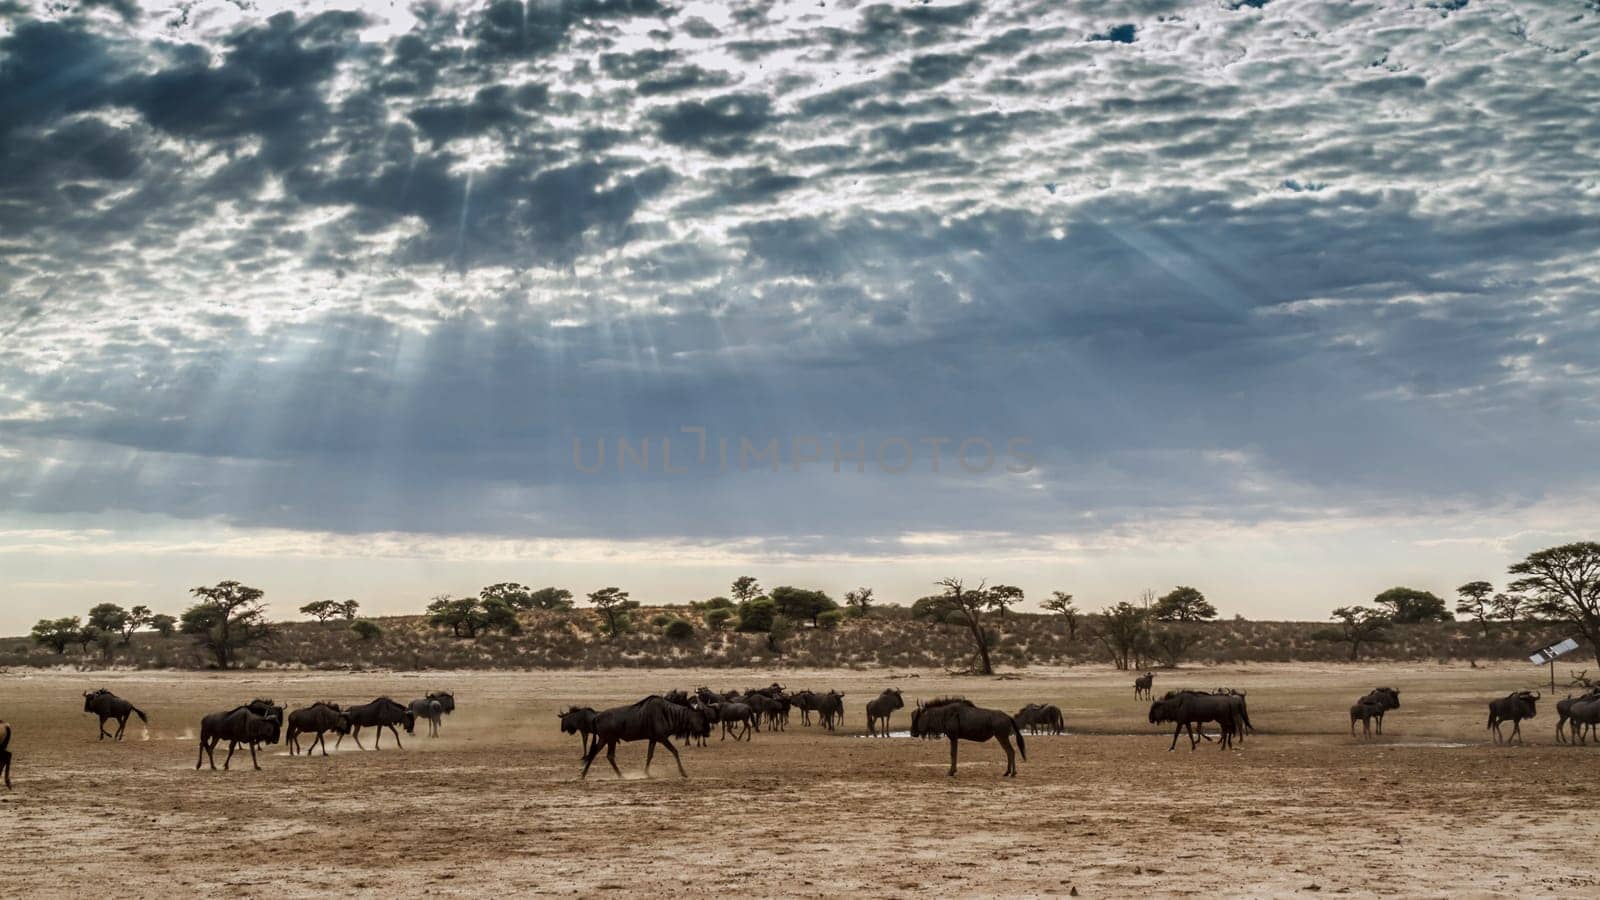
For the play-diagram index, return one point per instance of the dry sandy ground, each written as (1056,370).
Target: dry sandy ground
(494,806)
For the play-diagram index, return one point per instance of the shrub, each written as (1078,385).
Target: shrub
(678,629)
(719,618)
(366,630)
(831,619)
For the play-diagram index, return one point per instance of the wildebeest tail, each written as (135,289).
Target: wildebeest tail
(142,717)
(1022,743)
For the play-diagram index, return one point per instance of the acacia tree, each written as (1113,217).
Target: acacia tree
(745,588)
(1357,625)
(1061,602)
(462,615)
(228,618)
(328,610)
(550,598)
(800,603)
(859,601)
(1183,604)
(1002,596)
(164,624)
(107,617)
(961,606)
(138,617)
(1508,606)
(57,634)
(1124,630)
(1564,583)
(613,603)
(1475,603)
(1408,606)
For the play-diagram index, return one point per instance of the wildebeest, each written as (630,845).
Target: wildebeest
(1513,707)
(830,709)
(430,709)
(1585,714)
(806,702)
(1142,686)
(652,719)
(1564,711)
(380,714)
(1385,699)
(1365,711)
(766,709)
(317,719)
(578,720)
(240,725)
(5,755)
(959,720)
(1041,718)
(107,705)
(1191,708)
(881,707)
(1241,712)
(447,701)
(733,713)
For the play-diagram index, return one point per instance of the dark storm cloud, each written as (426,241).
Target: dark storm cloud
(285,273)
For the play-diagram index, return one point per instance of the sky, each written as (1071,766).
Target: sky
(1288,301)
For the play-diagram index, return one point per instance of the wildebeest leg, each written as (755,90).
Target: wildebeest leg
(649,754)
(588,758)
(202,757)
(1175,732)
(1516,731)
(675,757)
(232,745)
(611,756)
(102,728)
(1011,755)
(1380,723)
(253,756)
(952,771)
(5,767)
(396,733)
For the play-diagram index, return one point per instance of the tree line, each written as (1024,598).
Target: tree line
(1558,585)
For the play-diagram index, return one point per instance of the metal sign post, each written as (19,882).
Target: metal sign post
(1549,654)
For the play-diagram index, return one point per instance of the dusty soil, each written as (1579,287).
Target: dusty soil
(494,805)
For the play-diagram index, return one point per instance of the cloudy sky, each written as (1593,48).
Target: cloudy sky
(1292,301)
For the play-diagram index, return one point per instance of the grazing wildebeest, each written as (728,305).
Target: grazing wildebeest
(652,719)
(107,705)
(830,709)
(733,713)
(1513,707)
(1564,711)
(1385,698)
(1142,686)
(1366,712)
(1585,715)
(1190,708)
(380,714)
(1041,718)
(239,725)
(317,719)
(429,709)
(447,701)
(5,755)
(881,707)
(959,720)
(578,720)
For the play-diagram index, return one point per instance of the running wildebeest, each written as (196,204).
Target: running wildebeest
(447,701)
(959,720)
(1041,718)
(1142,686)
(578,720)
(1385,698)
(429,709)
(107,706)
(5,755)
(830,709)
(652,719)
(881,708)
(317,719)
(240,725)
(1191,708)
(1564,711)
(1365,711)
(379,714)
(1513,707)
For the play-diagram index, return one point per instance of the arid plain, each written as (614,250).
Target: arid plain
(494,805)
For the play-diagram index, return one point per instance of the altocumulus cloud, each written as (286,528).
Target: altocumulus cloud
(335,269)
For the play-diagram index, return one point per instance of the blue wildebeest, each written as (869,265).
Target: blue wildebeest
(1513,708)
(1192,708)
(882,707)
(430,709)
(108,706)
(317,719)
(240,725)
(379,714)
(959,720)
(1142,686)
(652,719)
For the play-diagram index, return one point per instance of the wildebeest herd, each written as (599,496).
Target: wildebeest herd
(694,717)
